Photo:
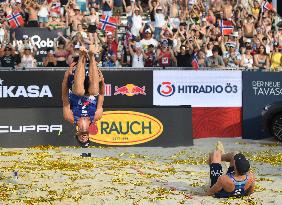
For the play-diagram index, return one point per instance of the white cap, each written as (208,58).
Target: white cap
(248,40)
(235,34)
(19,1)
(109,33)
(25,36)
(148,30)
(77,46)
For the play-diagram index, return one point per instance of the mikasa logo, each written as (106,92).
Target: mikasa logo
(31,128)
(31,91)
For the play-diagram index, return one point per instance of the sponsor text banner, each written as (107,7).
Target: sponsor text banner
(148,127)
(260,89)
(42,38)
(198,88)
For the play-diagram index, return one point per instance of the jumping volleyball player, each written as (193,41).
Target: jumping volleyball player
(83,94)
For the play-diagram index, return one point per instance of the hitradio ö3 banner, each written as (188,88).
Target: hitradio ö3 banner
(198,88)
(156,127)
(42,38)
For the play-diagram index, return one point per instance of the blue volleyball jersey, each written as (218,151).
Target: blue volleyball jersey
(82,106)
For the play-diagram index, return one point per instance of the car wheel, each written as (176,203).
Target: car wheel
(276,127)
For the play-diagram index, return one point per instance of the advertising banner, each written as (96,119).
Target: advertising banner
(43,88)
(42,38)
(198,88)
(25,127)
(128,88)
(260,89)
(30,89)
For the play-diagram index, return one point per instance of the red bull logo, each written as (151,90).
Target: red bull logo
(130,90)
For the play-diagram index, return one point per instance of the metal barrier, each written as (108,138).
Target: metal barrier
(132,69)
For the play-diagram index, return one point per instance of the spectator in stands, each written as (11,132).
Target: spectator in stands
(3,33)
(137,55)
(174,11)
(249,27)
(276,58)
(159,22)
(107,7)
(215,61)
(247,60)
(27,57)
(184,58)
(231,58)
(74,53)
(50,59)
(55,23)
(7,57)
(111,42)
(118,7)
(43,14)
(82,4)
(202,59)
(74,19)
(61,54)
(137,21)
(150,59)
(92,20)
(32,8)
(148,40)
(165,56)
(261,60)
(108,57)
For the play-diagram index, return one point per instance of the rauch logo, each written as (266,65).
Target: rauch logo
(166,89)
(31,91)
(125,128)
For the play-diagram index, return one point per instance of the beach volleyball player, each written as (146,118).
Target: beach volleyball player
(83,94)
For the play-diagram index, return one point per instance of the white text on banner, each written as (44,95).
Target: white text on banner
(198,88)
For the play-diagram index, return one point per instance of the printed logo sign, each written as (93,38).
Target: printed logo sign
(198,88)
(125,128)
(31,91)
(130,90)
(31,128)
(166,89)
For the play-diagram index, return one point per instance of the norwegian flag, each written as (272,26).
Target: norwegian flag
(195,62)
(226,27)
(15,20)
(266,6)
(107,23)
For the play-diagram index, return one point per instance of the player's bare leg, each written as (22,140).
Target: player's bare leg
(93,72)
(79,76)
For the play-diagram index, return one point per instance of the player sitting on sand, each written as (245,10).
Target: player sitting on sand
(80,89)
(237,182)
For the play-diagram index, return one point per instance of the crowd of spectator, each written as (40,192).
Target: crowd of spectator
(150,33)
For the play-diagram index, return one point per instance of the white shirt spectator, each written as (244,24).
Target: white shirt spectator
(137,61)
(159,20)
(145,43)
(136,24)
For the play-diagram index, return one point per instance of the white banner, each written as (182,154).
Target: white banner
(198,88)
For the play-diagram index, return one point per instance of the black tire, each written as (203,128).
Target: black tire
(276,127)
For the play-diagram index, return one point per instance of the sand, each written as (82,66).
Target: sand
(130,175)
